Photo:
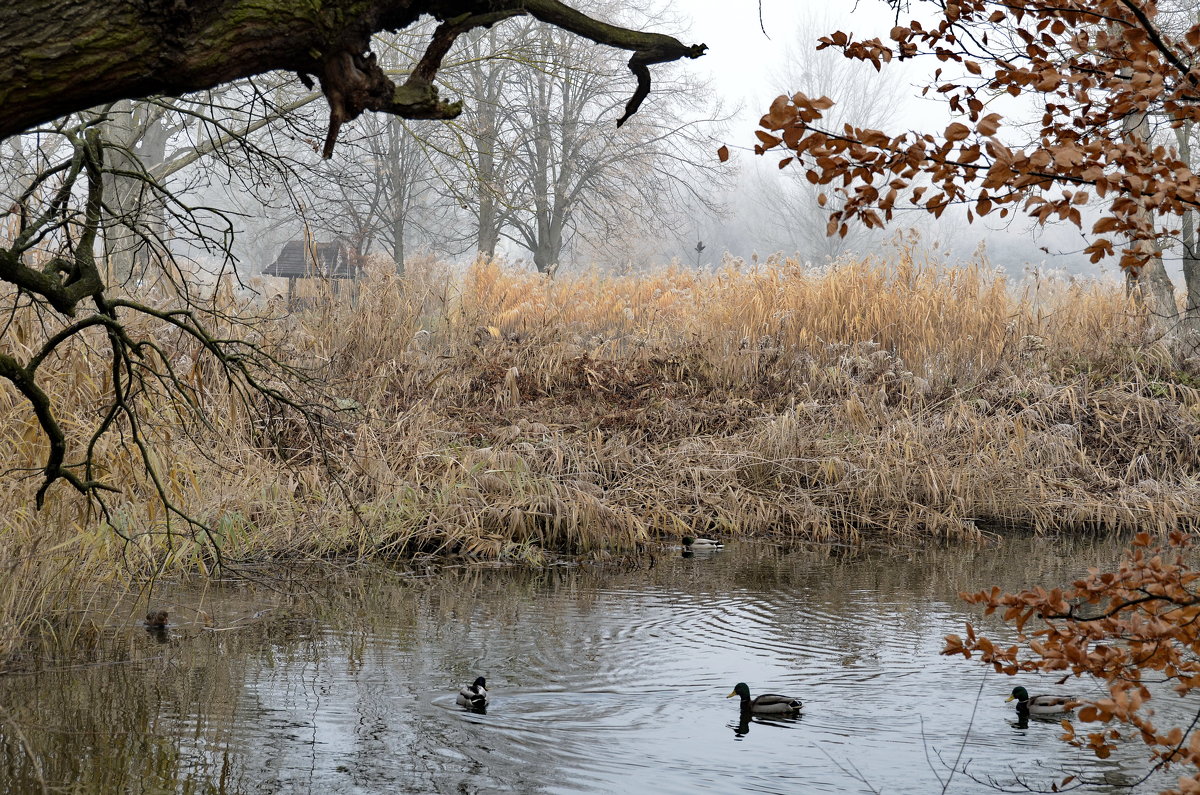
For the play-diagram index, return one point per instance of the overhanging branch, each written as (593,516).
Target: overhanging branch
(60,56)
(354,82)
(648,48)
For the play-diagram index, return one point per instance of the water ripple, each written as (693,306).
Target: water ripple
(600,681)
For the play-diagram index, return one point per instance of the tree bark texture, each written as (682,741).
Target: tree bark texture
(62,56)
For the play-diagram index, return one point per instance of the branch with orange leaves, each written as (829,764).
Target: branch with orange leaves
(878,171)
(1129,627)
(1097,85)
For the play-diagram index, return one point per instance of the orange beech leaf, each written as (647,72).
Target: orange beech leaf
(957,131)
(989,124)
(723,154)
(768,141)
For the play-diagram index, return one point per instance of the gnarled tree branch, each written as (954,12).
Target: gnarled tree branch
(61,56)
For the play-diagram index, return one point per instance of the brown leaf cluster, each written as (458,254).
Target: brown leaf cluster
(1098,69)
(1124,627)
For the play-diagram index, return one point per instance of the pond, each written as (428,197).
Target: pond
(602,679)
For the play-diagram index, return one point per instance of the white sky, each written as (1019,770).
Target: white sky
(741,59)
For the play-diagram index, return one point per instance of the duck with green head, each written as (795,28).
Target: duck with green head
(1040,705)
(767,703)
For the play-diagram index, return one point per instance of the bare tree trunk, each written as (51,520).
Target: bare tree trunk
(488,81)
(135,237)
(400,192)
(1157,294)
(489,226)
(1191,270)
(547,254)
(488,215)
(1150,283)
(398,243)
(1189,336)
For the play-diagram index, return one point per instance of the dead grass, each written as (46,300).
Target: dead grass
(495,414)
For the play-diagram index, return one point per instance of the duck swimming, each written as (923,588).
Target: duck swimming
(474,695)
(1040,705)
(767,703)
(700,544)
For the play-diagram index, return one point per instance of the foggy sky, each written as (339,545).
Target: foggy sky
(742,60)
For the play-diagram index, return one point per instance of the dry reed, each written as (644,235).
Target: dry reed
(497,414)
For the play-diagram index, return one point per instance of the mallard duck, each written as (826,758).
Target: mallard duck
(767,703)
(1040,705)
(474,695)
(695,544)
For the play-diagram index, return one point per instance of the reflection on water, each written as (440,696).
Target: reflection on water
(741,727)
(599,679)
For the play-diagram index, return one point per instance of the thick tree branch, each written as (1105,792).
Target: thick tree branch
(61,56)
(64,281)
(22,378)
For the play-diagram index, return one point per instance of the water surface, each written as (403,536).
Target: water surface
(603,679)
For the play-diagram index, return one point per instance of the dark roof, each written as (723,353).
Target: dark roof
(296,260)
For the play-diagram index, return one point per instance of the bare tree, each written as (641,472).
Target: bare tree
(568,172)
(51,227)
(62,203)
(379,191)
(789,207)
(483,168)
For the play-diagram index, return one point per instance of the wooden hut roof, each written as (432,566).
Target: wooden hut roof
(296,261)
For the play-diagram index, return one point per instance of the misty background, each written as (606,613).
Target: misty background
(535,170)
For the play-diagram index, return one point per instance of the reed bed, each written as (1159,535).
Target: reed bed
(495,414)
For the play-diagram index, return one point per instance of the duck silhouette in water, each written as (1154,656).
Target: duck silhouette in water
(474,696)
(156,625)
